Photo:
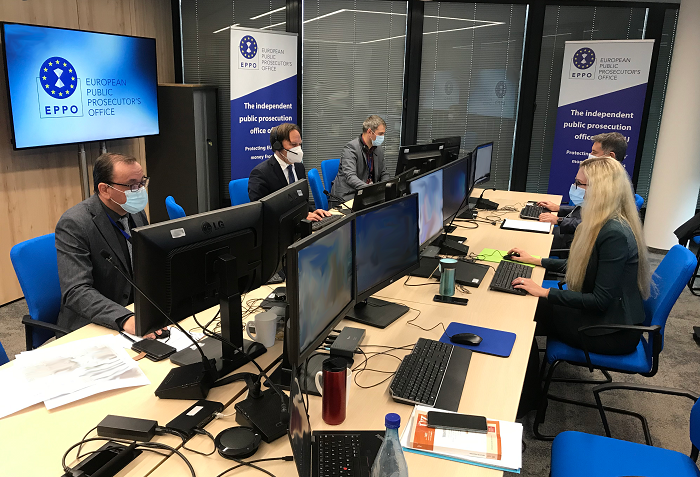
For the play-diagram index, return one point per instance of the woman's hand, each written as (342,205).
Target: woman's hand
(524,257)
(549,205)
(530,286)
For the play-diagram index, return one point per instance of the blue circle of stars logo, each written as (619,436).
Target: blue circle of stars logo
(248,47)
(501,89)
(58,77)
(584,58)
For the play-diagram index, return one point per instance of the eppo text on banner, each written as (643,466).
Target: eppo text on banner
(603,87)
(263,93)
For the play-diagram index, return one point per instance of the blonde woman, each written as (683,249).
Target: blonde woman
(607,272)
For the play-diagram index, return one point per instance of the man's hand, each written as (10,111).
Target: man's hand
(129,326)
(549,205)
(551,218)
(317,215)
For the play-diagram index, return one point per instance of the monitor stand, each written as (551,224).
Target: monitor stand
(470,213)
(376,312)
(282,375)
(212,350)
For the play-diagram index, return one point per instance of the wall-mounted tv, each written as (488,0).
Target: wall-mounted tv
(70,86)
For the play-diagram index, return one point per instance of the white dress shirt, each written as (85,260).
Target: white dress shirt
(284,167)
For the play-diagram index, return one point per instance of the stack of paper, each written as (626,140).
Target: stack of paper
(499,449)
(63,374)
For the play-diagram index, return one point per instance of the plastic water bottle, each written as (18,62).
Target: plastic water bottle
(390,461)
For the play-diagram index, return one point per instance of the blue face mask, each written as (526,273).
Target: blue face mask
(135,200)
(576,194)
(378,141)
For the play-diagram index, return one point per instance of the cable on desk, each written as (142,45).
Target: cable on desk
(77,456)
(202,432)
(241,463)
(149,446)
(367,358)
(411,322)
(406,284)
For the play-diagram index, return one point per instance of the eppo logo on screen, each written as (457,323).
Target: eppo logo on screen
(59,81)
(581,64)
(248,49)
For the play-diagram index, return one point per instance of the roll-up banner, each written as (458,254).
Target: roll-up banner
(263,93)
(603,87)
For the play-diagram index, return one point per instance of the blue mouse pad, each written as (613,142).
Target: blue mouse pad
(495,342)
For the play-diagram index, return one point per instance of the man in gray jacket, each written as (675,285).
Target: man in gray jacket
(362,161)
(92,291)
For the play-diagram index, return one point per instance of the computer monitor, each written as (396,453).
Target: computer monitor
(424,157)
(191,264)
(454,188)
(377,265)
(283,212)
(320,287)
(482,171)
(429,190)
(380,192)
(451,150)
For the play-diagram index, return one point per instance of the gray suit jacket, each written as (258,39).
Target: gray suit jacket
(353,170)
(92,291)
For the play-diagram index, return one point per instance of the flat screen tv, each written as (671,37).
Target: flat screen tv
(70,86)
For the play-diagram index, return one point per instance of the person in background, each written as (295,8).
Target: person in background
(362,161)
(92,291)
(283,168)
(607,273)
(568,217)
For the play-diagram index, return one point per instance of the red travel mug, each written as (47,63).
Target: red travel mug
(334,390)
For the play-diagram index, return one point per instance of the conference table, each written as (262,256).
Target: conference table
(34,440)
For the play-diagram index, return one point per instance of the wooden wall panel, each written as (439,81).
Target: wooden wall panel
(38,185)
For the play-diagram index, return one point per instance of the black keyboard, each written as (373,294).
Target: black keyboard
(432,375)
(532,212)
(325,222)
(338,454)
(506,273)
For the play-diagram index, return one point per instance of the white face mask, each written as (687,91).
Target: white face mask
(591,156)
(295,155)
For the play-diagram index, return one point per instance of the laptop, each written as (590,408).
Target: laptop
(328,453)
(466,273)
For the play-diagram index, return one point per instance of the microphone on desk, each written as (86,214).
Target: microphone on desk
(182,375)
(486,204)
(335,197)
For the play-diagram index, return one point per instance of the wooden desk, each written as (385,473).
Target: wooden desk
(34,440)
(493,384)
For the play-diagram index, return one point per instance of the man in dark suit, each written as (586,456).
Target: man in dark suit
(92,291)
(283,168)
(362,162)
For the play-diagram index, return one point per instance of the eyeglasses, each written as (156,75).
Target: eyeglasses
(578,183)
(134,187)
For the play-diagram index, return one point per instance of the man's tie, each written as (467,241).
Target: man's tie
(125,224)
(290,174)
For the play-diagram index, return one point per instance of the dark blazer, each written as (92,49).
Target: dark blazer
(571,217)
(609,294)
(268,177)
(92,291)
(353,170)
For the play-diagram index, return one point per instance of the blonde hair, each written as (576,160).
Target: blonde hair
(608,197)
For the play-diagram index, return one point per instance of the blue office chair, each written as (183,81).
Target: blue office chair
(670,278)
(3,356)
(638,201)
(317,189)
(576,454)
(329,168)
(174,210)
(36,267)
(238,190)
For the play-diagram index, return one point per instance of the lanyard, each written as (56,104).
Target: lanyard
(126,235)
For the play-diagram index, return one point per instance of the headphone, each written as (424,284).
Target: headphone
(276,143)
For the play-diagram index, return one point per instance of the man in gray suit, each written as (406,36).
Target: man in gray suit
(92,291)
(362,161)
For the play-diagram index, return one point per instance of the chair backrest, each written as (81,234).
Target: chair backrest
(238,190)
(695,424)
(3,356)
(36,267)
(638,201)
(317,189)
(174,210)
(329,168)
(670,277)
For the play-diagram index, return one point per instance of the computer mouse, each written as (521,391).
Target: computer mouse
(509,256)
(164,334)
(466,339)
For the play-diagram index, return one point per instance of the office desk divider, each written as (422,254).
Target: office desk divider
(494,342)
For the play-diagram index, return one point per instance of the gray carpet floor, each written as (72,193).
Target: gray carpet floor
(679,367)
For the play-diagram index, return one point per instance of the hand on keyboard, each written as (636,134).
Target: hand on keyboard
(317,215)
(530,286)
(547,217)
